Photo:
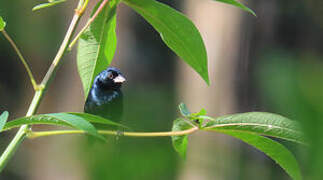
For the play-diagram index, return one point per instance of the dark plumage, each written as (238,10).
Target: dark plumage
(105,97)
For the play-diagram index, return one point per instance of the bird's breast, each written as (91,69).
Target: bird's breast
(100,98)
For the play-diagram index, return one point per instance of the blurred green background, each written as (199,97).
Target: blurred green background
(270,63)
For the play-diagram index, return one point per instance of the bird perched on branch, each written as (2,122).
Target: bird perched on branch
(105,98)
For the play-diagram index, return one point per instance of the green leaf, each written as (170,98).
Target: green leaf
(50,120)
(60,119)
(2,24)
(261,123)
(46,5)
(202,112)
(180,142)
(3,119)
(273,149)
(97,45)
(97,119)
(199,114)
(238,4)
(177,31)
(79,121)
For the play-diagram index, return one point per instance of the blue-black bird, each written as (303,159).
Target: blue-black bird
(105,98)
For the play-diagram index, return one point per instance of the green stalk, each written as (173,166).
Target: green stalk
(35,134)
(24,62)
(88,23)
(23,130)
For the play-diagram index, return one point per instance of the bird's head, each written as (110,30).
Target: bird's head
(111,78)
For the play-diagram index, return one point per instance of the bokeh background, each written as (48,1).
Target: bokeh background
(272,62)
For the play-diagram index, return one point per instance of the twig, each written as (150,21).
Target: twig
(87,24)
(24,62)
(35,134)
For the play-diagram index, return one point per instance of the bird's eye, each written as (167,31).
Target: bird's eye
(110,76)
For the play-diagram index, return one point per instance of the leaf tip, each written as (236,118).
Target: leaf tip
(205,75)
(2,24)
(3,119)
(34,9)
(184,110)
(207,80)
(4,115)
(238,4)
(252,12)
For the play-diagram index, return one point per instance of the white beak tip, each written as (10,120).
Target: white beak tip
(119,79)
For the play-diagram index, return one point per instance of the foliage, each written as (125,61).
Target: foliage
(280,154)
(174,29)
(81,121)
(180,142)
(250,128)
(238,4)
(261,123)
(2,24)
(3,119)
(48,4)
(96,49)
(97,45)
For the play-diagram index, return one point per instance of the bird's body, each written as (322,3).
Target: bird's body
(105,98)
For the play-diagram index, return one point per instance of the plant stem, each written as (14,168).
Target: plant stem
(88,24)
(21,134)
(53,68)
(24,62)
(83,7)
(36,134)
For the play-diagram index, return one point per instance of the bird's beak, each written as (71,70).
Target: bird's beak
(119,79)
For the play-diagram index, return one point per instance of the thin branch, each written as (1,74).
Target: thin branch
(24,62)
(53,68)
(88,24)
(82,9)
(23,130)
(36,134)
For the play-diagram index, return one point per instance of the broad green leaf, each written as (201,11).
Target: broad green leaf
(36,119)
(2,24)
(180,142)
(60,119)
(261,123)
(50,120)
(97,119)
(79,121)
(273,149)
(238,4)
(3,119)
(177,31)
(97,45)
(46,5)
